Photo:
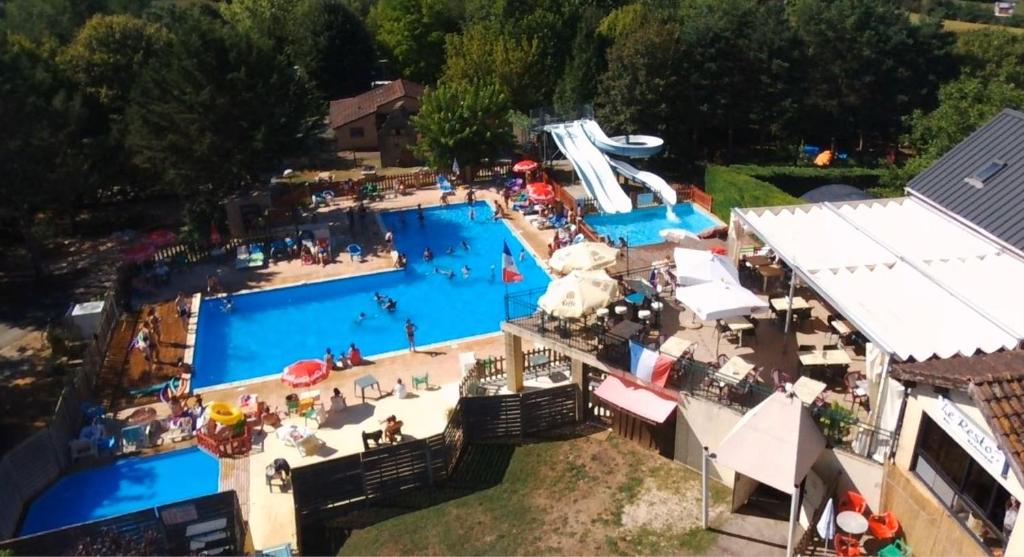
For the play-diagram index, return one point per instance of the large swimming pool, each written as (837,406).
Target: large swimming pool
(127,485)
(265,331)
(640,227)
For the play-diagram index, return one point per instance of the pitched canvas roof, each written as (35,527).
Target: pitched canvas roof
(996,205)
(347,110)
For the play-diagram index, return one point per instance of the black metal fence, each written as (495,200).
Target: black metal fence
(210,524)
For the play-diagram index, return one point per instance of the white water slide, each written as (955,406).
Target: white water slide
(592,167)
(584,143)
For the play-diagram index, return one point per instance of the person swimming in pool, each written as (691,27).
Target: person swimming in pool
(391,305)
(229,304)
(379,298)
(427,254)
(360,318)
(446,272)
(449,250)
(465,245)
(419,212)
(492,273)
(465,271)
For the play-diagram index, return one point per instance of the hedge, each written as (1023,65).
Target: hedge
(731,188)
(798,180)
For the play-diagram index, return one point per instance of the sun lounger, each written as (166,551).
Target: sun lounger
(248,257)
(444,184)
(305,442)
(136,437)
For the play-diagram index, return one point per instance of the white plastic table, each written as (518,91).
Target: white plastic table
(852,522)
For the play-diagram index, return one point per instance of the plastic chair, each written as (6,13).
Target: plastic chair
(853,501)
(847,546)
(857,395)
(418,380)
(896,549)
(883,526)
(292,405)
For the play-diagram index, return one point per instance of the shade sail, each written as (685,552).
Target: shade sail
(719,300)
(578,294)
(696,266)
(915,281)
(775,443)
(635,399)
(584,256)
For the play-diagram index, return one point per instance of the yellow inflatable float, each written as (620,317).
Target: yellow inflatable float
(225,414)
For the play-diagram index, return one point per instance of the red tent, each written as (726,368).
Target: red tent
(304,373)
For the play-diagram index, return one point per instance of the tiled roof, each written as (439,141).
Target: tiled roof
(1001,401)
(347,110)
(995,207)
(959,372)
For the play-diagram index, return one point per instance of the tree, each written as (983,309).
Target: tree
(108,54)
(578,85)
(331,44)
(38,154)
(463,122)
(638,92)
(992,54)
(59,19)
(414,31)
(216,111)
(867,66)
(481,55)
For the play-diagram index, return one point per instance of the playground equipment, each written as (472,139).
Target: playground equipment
(225,414)
(586,146)
(227,433)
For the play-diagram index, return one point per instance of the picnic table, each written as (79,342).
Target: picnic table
(781,304)
(738,325)
(366,382)
(769,271)
(759,260)
(843,327)
(825,358)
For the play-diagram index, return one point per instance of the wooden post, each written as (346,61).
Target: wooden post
(514,361)
(576,367)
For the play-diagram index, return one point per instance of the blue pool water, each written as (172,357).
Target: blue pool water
(640,227)
(265,331)
(127,485)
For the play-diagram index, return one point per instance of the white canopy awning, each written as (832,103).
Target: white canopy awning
(915,281)
(719,300)
(775,443)
(694,266)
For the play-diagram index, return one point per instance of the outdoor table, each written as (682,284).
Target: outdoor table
(852,522)
(769,271)
(538,360)
(738,325)
(735,370)
(366,382)
(825,358)
(626,330)
(675,346)
(759,260)
(807,389)
(781,304)
(843,327)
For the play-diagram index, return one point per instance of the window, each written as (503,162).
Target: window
(356,132)
(980,176)
(973,496)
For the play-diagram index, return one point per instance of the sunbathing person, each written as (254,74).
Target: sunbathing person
(355,357)
(392,429)
(328,359)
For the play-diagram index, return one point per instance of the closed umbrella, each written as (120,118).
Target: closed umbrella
(539,192)
(584,256)
(578,294)
(304,373)
(827,523)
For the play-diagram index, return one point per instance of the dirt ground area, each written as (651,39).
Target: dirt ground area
(595,494)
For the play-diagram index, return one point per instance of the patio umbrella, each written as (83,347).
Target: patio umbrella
(827,523)
(682,237)
(138,252)
(161,237)
(304,373)
(524,166)
(578,294)
(697,266)
(539,192)
(584,256)
(719,300)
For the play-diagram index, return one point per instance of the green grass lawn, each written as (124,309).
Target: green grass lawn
(732,188)
(955,26)
(583,496)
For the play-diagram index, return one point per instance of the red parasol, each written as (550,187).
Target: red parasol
(304,373)
(539,192)
(525,166)
(161,237)
(138,252)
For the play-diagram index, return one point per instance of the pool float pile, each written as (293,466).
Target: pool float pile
(225,414)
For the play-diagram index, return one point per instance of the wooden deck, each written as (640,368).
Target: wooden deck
(234,475)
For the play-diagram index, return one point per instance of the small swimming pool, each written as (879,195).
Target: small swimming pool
(640,227)
(265,331)
(127,485)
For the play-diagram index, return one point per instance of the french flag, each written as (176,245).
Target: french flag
(649,365)
(509,271)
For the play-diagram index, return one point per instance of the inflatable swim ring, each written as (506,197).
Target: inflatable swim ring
(225,414)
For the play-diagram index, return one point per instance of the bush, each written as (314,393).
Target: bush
(731,188)
(798,180)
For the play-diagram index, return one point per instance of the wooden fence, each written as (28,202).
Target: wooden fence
(38,461)
(490,372)
(331,489)
(159,530)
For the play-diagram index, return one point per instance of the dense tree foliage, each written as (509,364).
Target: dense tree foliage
(217,109)
(464,122)
(413,32)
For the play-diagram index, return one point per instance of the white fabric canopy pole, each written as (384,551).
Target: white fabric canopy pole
(794,510)
(789,302)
